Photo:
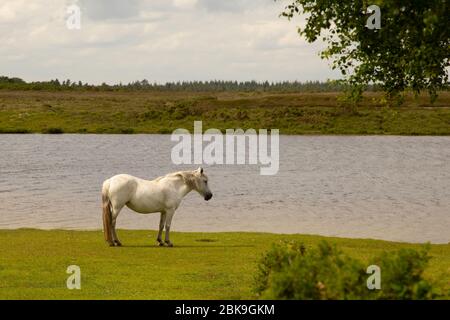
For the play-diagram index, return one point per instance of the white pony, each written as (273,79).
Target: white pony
(163,195)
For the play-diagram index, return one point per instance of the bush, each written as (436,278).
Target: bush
(402,275)
(14,130)
(53,130)
(152,115)
(127,130)
(291,271)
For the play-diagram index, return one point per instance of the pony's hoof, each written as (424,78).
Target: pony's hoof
(169,244)
(161,244)
(118,243)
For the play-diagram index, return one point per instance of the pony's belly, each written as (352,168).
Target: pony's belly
(144,207)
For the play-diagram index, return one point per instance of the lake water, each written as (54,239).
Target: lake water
(393,188)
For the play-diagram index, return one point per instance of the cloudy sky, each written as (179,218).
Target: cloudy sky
(158,40)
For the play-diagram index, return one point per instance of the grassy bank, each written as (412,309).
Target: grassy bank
(201,265)
(162,112)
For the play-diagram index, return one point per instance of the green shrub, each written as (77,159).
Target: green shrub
(180,111)
(402,275)
(14,130)
(53,130)
(127,130)
(291,271)
(152,115)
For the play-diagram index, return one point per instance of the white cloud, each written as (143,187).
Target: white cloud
(235,6)
(185,3)
(159,40)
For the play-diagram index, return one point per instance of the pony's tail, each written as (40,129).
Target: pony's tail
(107,214)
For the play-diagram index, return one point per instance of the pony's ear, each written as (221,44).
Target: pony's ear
(200,170)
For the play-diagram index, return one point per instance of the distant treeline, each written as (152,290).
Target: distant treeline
(195,86)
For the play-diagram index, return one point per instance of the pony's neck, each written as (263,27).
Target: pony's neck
(185,185)
(184,189)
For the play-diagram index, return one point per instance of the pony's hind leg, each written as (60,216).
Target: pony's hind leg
(116,239)
(169,217)
(162,221)
(116,210)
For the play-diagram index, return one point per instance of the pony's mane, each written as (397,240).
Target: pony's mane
(185,175)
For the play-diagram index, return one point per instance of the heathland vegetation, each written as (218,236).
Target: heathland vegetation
(311,108)
(200,266)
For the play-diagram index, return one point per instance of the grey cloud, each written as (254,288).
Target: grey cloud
(230,5)
(110,9)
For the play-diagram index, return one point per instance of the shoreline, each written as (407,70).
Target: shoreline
(281,134)
(262,233)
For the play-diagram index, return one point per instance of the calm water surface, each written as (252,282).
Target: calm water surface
(393,188)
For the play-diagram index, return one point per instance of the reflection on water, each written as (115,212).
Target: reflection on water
(394,188)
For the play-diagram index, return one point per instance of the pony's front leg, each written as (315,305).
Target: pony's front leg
(162,221)
(169,217)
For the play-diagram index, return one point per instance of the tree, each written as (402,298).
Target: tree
(411,50)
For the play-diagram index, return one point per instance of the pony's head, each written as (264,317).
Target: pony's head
(200,184)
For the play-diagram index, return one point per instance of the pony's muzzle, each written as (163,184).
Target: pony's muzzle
(208,196)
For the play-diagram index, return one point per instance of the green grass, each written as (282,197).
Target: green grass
(201,265)
(161,112)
